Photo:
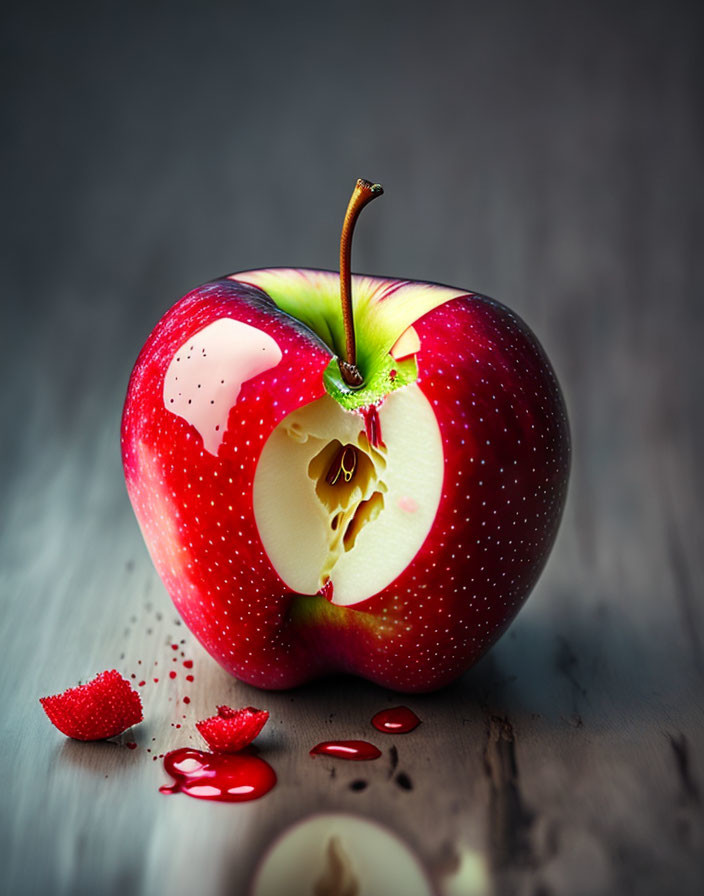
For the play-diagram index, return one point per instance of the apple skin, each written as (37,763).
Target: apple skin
(506,450)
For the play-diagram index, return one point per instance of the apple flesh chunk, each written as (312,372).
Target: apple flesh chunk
(356,535)
(406,345)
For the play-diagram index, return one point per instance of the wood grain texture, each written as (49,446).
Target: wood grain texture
(546,154)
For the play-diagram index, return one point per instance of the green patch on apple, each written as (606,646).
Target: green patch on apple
(383,311)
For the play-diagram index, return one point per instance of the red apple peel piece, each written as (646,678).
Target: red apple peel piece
(231,730)
(101,708)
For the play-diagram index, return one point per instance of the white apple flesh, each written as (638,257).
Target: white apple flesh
(357,535)
(340,854)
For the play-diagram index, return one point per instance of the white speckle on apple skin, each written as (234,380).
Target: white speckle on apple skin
(408,504)
(205,375)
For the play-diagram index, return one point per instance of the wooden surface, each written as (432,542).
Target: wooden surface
(547,154)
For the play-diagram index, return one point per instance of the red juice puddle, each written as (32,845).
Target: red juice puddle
(346,749)
(372,426)
(397,720)
(222,777)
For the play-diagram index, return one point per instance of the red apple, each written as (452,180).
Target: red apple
(302,525)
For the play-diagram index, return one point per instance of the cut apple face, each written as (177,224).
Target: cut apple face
(339,516)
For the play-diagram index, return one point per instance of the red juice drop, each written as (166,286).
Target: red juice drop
(327,590)
(222,777)
(188,664)
(372,425)
(347,749)
(397,720)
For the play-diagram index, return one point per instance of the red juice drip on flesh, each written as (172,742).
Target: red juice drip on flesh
(346,749)
(221,777)
(372,426)
(397,720)
(327,590)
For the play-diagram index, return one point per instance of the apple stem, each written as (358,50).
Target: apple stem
(362,194)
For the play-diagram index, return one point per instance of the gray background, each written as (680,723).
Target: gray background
(547,154)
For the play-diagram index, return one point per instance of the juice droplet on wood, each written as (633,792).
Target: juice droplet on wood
(347,749)
(397,720)
(221,777)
